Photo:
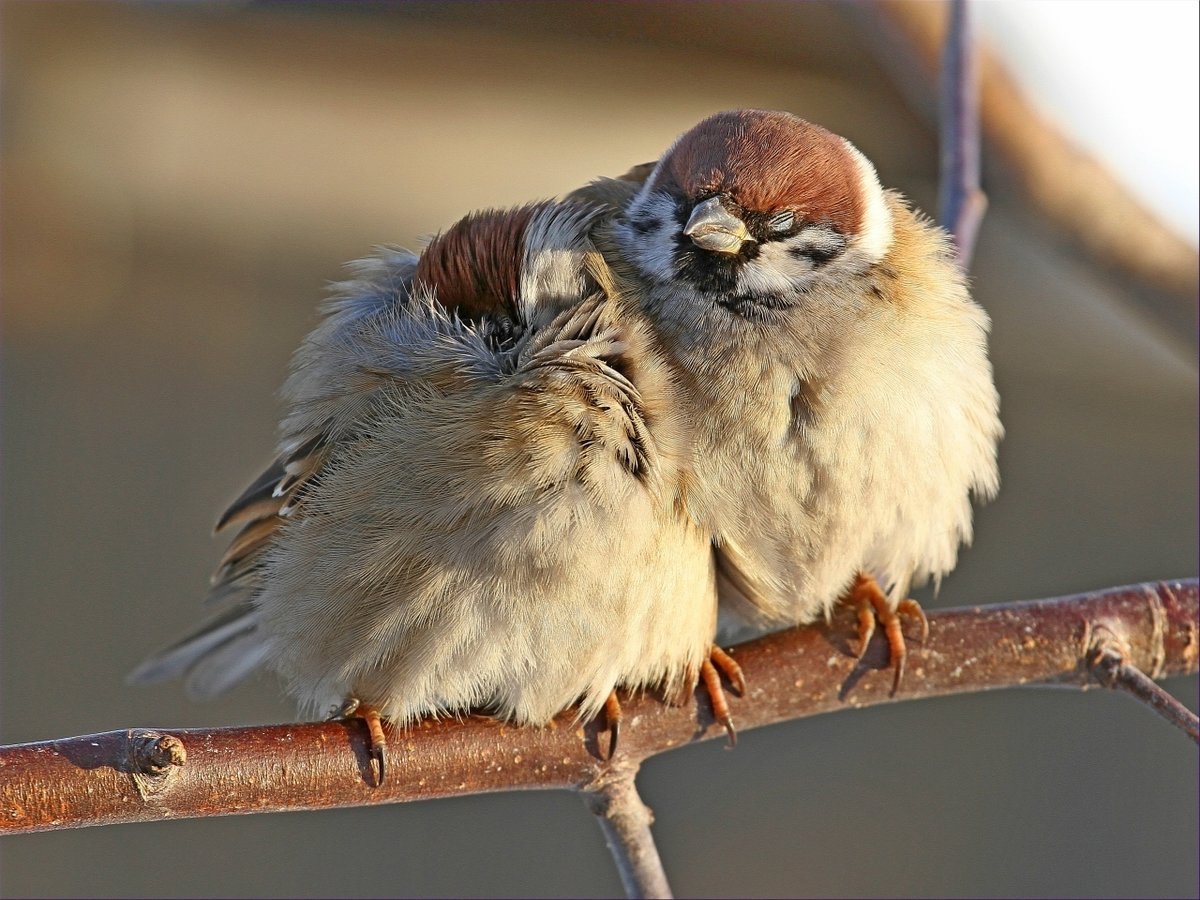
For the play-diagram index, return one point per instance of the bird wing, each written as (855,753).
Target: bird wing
(328,392)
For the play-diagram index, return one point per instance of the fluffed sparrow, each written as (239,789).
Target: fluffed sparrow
(835,363)
(477,500)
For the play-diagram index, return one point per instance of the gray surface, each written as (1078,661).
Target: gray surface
(177,186)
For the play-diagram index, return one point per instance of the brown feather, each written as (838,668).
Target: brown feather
(475,265)
(255,500)
(639,173)
(612,194)
(250,539)
(767,161)
(261,508)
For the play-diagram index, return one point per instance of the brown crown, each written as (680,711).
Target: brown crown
(767,161)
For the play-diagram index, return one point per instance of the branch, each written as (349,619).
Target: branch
(141,775)
(961,202)
(1110,665)
(1068,185)
(626,822)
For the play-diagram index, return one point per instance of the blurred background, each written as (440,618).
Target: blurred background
(178,183)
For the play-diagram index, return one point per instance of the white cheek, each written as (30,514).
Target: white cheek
(876,232)
(774,271)
(654,251)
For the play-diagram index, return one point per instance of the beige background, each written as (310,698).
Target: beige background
(177,185)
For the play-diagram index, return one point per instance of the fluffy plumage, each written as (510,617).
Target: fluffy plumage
(477,500)
(835,362)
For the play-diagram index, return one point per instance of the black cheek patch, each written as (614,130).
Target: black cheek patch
(827,247)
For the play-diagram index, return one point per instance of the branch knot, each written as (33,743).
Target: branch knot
(153,757)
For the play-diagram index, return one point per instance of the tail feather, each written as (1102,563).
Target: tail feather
(237,622)
(226,665)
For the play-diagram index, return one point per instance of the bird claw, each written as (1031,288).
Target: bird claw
(612,717)
(709,675)
(874,606)
(711,679)
(354,708)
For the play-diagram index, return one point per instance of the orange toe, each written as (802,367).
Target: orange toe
(710,677)
(874,606)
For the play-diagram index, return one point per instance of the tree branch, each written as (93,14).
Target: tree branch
(1110,666)
(961,202)
(1069,186)
(137,775)
(625,821)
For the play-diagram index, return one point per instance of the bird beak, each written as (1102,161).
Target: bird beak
(712,227)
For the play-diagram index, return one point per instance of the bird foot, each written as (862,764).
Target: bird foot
(354,708)
(710,677)
(874,606)
(612,717)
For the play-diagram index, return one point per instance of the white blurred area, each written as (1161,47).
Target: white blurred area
(1121,77)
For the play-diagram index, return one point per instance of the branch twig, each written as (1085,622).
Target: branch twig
(1110,666)
(961,202)
(1068,185)
(99,779)
(625,821)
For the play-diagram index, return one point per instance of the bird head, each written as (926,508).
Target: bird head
(750,208)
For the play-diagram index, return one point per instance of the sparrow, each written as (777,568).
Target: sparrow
(478,499)
(835,364)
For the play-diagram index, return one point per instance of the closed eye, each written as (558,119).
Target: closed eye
(782,222)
